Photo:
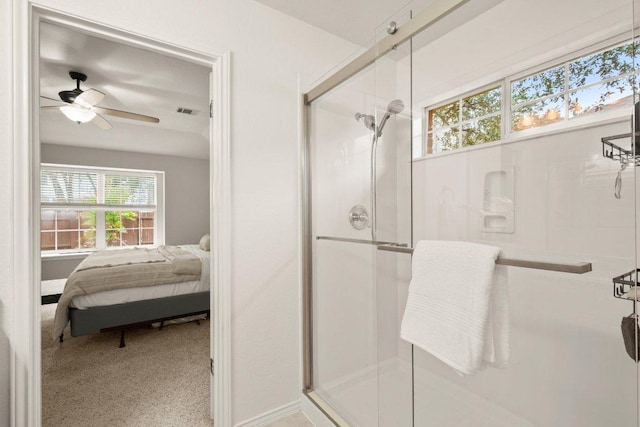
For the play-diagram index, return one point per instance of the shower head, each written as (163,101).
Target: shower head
(396,106)
(368,120)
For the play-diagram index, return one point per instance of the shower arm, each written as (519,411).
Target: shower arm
(382,123)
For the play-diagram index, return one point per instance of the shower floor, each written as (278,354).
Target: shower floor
(381,395)
(377,395)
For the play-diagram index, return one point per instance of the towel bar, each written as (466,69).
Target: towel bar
(579,268)
(361,241)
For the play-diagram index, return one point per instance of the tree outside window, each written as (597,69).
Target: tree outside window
(602,81)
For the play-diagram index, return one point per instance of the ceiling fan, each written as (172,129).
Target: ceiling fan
(80,105)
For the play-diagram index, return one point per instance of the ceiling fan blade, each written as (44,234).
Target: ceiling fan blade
(52,99)
(89,98)
(125,114)
(50,107)
(99,121)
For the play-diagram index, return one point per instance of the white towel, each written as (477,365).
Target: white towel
(457,307)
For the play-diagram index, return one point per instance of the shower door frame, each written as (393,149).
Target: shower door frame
(432,14)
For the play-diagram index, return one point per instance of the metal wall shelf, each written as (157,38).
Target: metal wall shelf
(625,283)
(617,153)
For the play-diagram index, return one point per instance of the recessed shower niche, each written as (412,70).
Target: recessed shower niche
(498,204)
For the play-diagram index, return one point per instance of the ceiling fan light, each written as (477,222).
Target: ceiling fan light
(78,115)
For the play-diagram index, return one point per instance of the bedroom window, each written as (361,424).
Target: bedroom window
(85,209)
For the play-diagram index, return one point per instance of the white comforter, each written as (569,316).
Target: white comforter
(119,296)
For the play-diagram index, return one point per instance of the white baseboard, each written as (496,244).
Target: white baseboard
(272,416)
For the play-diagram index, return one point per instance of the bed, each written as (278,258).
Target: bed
(115,290)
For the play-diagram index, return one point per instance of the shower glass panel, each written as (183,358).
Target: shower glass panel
(360,169)
(508,152)
(344,292)
(393,224)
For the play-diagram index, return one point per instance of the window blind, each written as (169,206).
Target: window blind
(68,187)
(77,188)
(130,190)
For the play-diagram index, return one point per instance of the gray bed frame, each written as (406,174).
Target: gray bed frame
(135,313)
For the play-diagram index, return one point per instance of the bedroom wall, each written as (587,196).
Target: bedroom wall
(186,192)
(266,60)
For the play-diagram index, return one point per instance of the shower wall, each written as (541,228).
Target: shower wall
(568,362)
(565,329)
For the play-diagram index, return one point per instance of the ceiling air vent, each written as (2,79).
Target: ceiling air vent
(189,111)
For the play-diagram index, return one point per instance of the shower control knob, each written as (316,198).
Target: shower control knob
(358,217)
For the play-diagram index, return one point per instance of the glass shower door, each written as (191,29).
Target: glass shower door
(393,224)
(344,345)
(360,151)
(511,155)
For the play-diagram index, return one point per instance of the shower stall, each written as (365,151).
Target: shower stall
(501,122)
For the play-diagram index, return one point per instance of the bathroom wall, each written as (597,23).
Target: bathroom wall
(265,64)
(6,261)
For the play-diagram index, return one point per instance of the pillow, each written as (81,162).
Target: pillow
(205,242)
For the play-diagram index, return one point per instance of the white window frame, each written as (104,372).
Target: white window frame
(159,210)
(510,75)
(458,99)
(564,63)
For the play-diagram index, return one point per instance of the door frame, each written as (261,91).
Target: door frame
(25,349)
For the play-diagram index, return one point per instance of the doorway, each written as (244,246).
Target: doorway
(27,381)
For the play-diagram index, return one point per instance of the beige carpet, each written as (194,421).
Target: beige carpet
(160,378)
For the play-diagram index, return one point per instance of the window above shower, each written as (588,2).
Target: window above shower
(601,81)
(537,100)
(467,121)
